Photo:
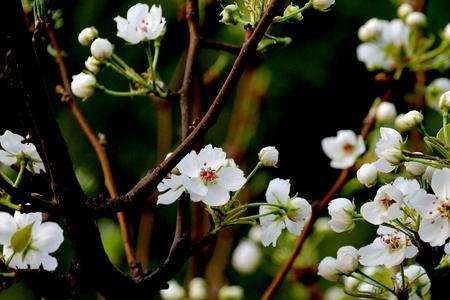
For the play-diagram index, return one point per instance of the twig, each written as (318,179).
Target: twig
(99,150)
(211,44)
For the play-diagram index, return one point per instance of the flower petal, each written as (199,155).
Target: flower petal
(212,157)
(440,183)
(7,158)
(231,178)
(278,191)
(7,228)
(48,237)
(189,165)
(170,196)
(216,196)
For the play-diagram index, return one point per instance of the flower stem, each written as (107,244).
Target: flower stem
(375,281)
(121,94)
(7,201)
(252,173)
(445,122)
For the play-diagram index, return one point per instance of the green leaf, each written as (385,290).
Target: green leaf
(440,134)
(21,239)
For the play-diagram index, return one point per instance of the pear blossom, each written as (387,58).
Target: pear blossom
(386,113)
(230,15)
(428,175)
(322,5)
(92,65)
(416,19)
(409,120)
(417,279)
(174,292)
(389,249)
(231,292)
(268,156)
(27,241)
(435,209)
(390,141)
(297,210)
(344,149)
(415,168)
(381,49)
(385,206)
(347,259)
(446,33)
(102,49)
(83,85)
(444,102)
(87,36)
(341,211)
(404,10)
(255,233)
(198,289)
(141,24)
(328,269)
(207,176)
(15,149)
(367,174)
(246,257)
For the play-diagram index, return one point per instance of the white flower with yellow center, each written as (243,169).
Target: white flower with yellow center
(293,215)
(27,242)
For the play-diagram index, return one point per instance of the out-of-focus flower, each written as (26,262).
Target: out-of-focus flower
(87,36)
(230,15)
(386,113)
(198,289)
(246,257)
(328,269)
(231,292)
(174,292)
(435,90)
(409,120)
(416,19)
(404,10)
(322,5)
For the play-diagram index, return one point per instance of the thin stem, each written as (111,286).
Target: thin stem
(376,281)
(445,122)
(120,93)
(249,177)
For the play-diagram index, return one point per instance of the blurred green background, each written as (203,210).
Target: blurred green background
(314,87)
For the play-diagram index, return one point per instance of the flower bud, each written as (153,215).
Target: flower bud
(404,10)
(268,156)
(246,257)
(230,14)
(83,85)
(429,172)
(372,30)
(322,225)
(102,49)
(367,174)
(446,34)
(328,269)
(347,259)
(341,211)
(322,5)
(409,120)
(416,19)
(92,65)
(392,155)
(255,234)
(415,168)
(87,36)
(293,13)
(444,102)
(231,292)
(198,289)
(174,292)
(386,113)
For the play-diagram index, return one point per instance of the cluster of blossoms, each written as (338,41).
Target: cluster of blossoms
(410,208)
(143,24)
(209,177)
(27,241)
(393,45)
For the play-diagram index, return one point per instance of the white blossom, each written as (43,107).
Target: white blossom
(389,249)
(416,19)
(367,174)
(322,225)
(141,24)
(207,176)
(417,279)
(173,292)
(87,36)
(444,102)
(389,139)
(102,49)
(409,120)
(14,150)
(297,210)
(322,5)
(92,65)
(328,269)
(83,85)
(415,168)
(246,257)
(435,90)
(372,30)
(230,14)
(198,289)
(268,156)
(435,209)
(255,234)
(231,292)
(27,241)
(446,33)
(404,10)
(428,175)
(341,211)
(344,149)
(347,259)
(381,50)
(386,113)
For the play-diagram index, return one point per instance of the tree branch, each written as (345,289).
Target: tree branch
(148,184)
(215,45)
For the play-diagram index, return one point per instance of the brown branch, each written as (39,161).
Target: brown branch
(148,184)
(270,292)
(99,150)
(216,45)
